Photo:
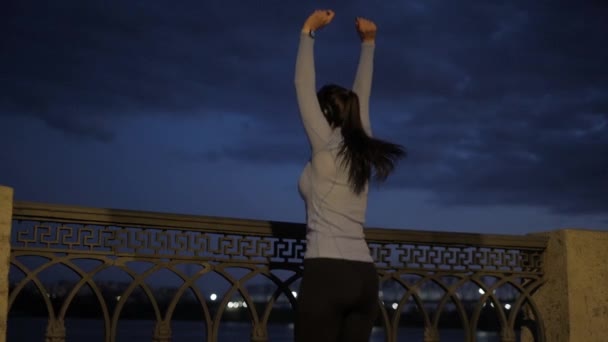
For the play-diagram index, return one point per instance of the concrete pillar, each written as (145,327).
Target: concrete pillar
(573,302)
(6,215)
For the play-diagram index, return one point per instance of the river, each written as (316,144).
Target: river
(87,330)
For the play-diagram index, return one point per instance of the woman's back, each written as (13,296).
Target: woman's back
(335,213)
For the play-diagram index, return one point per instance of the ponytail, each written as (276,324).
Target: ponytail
(360,153)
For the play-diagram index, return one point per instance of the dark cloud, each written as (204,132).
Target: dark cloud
(64,61)
(550,151)
(266,144)
(513,111)
(497,102)
(267,153)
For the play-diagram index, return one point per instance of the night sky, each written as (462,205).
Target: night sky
(189,107)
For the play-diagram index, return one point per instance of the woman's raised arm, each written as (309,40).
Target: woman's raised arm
(363,78)
(315,124)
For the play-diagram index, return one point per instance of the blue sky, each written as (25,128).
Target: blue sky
(189,107)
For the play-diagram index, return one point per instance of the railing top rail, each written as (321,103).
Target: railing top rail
(76,214)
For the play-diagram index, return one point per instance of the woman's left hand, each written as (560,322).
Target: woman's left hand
(366,29)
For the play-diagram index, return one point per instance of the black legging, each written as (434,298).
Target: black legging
(338,301)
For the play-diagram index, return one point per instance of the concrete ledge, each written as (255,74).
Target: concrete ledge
(6,216)
(573,302)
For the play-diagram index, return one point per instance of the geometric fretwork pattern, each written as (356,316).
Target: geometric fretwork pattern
(157,243)
(189,244)
(463,259)
(462,288)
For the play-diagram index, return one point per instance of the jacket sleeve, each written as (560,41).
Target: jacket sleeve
(316,126)
(363,83)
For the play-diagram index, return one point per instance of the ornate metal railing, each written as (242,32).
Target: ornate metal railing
(151,271)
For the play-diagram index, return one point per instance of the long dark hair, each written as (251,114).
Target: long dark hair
(360,153)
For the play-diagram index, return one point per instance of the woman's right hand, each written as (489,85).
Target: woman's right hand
(317,20)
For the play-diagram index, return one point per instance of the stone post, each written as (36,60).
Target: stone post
(573,302)
(6,216)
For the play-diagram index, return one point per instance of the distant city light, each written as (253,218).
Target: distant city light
(213,296)
(118,298)
(294,294)
(395,306)
(481,291)
(508,306)
(236,305)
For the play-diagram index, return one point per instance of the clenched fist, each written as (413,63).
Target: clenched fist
(318,19)
(366,29)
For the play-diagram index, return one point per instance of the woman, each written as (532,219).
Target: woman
(338,299)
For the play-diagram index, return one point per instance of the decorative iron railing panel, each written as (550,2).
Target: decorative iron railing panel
(226,270)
